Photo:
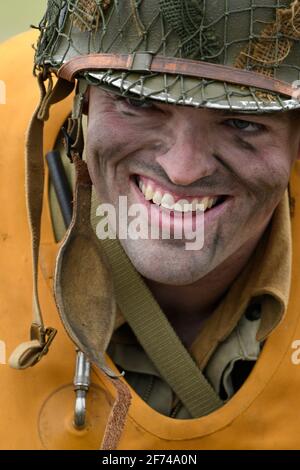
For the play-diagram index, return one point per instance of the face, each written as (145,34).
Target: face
(238,166)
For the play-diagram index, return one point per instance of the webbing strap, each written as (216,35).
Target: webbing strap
(29,353)
(157,336)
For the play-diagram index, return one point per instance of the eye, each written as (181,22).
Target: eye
(139,103)
(245,126)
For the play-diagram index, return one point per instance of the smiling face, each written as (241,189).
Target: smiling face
(158,155)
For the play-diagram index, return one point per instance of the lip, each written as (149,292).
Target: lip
(177,195)
(173,220)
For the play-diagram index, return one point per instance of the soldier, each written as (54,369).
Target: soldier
(177,105)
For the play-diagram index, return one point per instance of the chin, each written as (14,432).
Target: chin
(168,278)
(173,270)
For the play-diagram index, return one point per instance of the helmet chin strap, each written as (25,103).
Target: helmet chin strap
(30,352)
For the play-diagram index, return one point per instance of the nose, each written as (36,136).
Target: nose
(189,155)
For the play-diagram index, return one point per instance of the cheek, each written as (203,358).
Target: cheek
(260,178)
(107,141)
(103,135)
(107,130)
(111,141)
(271,173)
(265,169)
(267,183)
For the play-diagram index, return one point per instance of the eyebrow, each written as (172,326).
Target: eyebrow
(226,113)
(273,116)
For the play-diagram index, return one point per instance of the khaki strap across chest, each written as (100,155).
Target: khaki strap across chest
(157,336)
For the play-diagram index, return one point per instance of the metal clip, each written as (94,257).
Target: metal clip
(81,387)
(50,334)
(141,61)
(45,337)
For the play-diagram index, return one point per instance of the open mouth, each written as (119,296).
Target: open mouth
(173,203)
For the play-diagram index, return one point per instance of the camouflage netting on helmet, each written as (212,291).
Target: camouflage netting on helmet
(257,35)
(105,18)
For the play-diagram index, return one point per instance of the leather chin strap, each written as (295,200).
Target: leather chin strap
(29,353)
(146,62)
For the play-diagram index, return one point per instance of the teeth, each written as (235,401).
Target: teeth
(182,206)
(166,200)
(157,197)
(148,193)
(205,202)
(195,204)
(212,202)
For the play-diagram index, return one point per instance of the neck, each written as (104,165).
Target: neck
(198,301)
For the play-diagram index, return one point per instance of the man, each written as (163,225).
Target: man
(219,133)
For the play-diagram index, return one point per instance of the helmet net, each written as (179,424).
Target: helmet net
(257,35)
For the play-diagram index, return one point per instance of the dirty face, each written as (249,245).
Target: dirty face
(157,155)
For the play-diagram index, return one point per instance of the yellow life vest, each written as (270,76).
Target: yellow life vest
(37,404)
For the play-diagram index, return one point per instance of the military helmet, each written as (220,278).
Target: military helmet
(225,54)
